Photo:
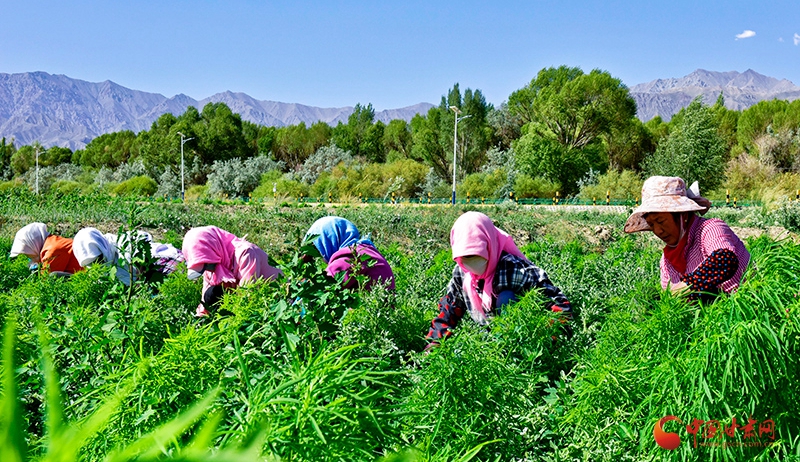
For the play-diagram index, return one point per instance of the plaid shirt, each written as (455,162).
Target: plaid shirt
(512,273)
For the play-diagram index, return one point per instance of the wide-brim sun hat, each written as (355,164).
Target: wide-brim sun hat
(665,194)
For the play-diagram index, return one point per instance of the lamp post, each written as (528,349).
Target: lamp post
(455,146)
(37,169)
(183,140)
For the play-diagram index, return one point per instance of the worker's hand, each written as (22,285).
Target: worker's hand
(679,288)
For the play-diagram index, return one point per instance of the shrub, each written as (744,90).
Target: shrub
(288,186)
(237,177)
(196,192)
(323,160)
(169,184)
(68,187)
(526,187)
(488,184)
(269,180)
(139,186)
(52,174)
(788,215)
(619,185)
(128,170)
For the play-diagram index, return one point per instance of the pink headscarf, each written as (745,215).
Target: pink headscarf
(209,244)
(473,233)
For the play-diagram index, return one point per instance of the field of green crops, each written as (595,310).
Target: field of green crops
(101,372)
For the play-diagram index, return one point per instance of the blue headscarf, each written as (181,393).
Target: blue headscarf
(334,233)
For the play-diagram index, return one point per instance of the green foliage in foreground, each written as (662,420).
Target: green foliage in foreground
(102,374)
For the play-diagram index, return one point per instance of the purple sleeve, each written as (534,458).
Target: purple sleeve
(374,267)
(339,264)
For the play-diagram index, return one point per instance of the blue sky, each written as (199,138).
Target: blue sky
(391,54)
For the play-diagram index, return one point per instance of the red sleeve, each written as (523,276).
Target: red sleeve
(450,313)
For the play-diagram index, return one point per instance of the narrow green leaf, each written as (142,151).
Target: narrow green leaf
(13,447)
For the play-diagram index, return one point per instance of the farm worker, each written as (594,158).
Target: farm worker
(340,243)
(224,261)
(53,253)
(92,246)
(490,272)
(701,256)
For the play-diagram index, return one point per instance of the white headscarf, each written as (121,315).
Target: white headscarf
(89,244)
(29,241)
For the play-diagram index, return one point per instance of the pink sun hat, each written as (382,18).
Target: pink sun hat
(665,194)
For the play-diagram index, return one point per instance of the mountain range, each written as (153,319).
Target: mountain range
(59,110)
(740,90)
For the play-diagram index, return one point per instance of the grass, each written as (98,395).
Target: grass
(93,372)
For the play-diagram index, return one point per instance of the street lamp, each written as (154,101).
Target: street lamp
(37,169)
(183,140)
(455,146)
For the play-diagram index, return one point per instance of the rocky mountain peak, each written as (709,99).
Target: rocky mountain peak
(59,110)
(665,97)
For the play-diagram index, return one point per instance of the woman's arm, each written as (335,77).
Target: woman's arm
(522,277)
(451,308)
(720,266)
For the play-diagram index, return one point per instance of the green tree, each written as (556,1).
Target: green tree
(55,155)
(430,141)
(397,138)
(7,151)
(572,120)
(294,143)
(627,148)
(24,159)
(753,122)
(506,126)
(266,138)
(693,151)
(219,134)
(522,103)
(251,132)
(574,108)
(432,135)
(657,128)
(539,156)
(157,146)
(361,135)
(107,150)
(726,121)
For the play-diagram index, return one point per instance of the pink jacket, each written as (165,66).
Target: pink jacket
(238,261)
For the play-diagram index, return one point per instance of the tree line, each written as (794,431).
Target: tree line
(565,130)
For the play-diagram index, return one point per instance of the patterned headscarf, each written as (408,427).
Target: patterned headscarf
(473,233)
(29,241)
(334,233)
(211,245)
